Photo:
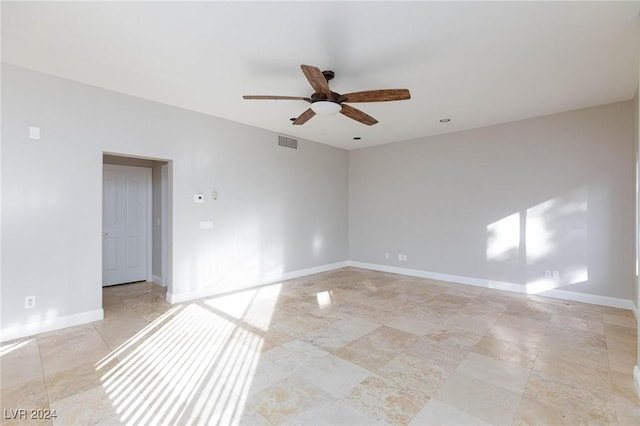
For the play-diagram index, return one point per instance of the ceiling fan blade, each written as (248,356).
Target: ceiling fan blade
(316,79)
(291,98)
(378,95)
(357,115)
(304,117)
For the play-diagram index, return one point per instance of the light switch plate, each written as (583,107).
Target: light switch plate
(206,224)
(34,132)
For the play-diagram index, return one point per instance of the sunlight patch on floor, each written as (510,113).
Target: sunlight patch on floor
(253,306)
(192,365)
(14,346)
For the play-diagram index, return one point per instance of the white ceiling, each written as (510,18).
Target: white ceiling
(478,63)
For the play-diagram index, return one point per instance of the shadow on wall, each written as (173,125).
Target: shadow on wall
(547,242)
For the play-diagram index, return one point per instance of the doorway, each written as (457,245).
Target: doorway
(136,225)
(126,222)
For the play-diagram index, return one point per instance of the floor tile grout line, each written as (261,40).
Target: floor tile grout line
(546,339)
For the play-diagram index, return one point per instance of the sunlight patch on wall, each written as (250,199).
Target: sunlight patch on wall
(557,241)
(569,275)
(539,237)
(575,274)
(543,247)
(240,254)
(503,238)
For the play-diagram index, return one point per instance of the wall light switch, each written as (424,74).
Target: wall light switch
(206,224)
(198,198)
(34,132)
(214,195)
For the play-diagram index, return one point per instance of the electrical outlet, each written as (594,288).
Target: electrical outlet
(547,273)
(29,302)
(556,275)
(404,257)
(399,257)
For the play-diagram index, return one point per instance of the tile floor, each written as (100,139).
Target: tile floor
(347,347)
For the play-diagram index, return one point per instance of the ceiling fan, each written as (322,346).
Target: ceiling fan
(324,101)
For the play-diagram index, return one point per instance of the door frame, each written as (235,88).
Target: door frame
(166,216)
(164,223)
(149,204)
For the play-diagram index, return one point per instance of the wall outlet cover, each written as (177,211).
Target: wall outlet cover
(29,302)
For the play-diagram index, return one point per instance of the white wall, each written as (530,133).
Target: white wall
(279,210)
(636,128)
(500,203)
(505,203)
(636,155)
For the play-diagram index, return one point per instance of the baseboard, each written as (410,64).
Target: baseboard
(574,296)
(30,329)
(498,285)
(636,379)
(158,280)
(209,291)
(502,285)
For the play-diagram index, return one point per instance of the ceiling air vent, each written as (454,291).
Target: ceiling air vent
(287,142)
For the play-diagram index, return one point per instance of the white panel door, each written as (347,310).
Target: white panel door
(125,223)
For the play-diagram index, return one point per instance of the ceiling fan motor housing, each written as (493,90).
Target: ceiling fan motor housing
(332,97)
(328,74)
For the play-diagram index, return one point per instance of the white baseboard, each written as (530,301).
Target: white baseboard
(24,330)
(502,285)
(594,299)
(498,285)
(636,379)
(210,291)
(158,280)
(30,329)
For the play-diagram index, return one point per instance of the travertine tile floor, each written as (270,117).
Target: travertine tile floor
(346,347)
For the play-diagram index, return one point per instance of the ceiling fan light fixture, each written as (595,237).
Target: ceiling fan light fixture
(325,102)
(325,107)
